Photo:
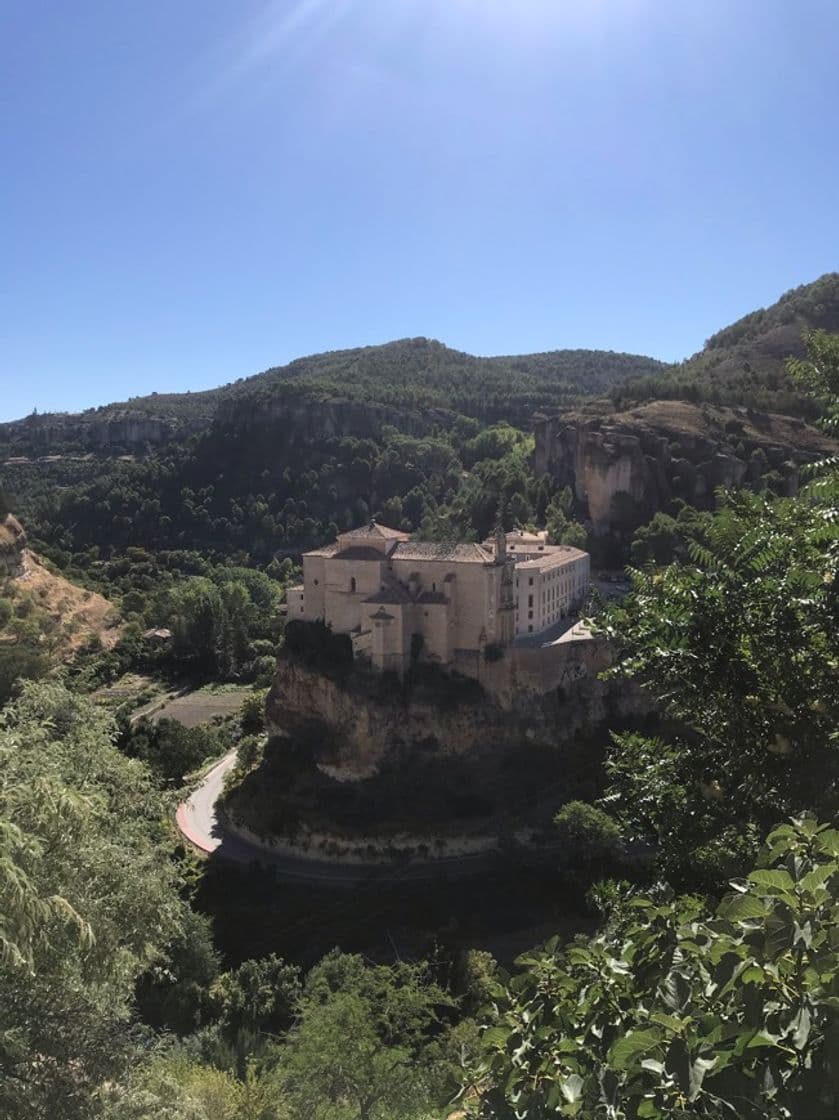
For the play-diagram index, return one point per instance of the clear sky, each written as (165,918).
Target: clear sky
(195,190)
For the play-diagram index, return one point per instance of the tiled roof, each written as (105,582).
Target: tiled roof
(327,550)
(434,550)
(359,552)
(374,529)
(554,559)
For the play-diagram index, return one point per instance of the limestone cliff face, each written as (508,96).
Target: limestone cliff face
(127,430)
(356,727)
(303,419)
(12,545)
(624,467)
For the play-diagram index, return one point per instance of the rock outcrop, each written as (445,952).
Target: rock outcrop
(359,721)
(624,467)
(111,430)
(12,546)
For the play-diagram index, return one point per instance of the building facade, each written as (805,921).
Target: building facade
(551,581)
(400,599)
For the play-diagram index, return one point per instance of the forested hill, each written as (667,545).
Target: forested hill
(405,376)
(745,363)
(423,372)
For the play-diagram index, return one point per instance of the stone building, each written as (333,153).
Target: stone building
(400,599)
(551,581)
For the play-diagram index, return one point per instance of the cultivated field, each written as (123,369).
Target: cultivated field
(196,706)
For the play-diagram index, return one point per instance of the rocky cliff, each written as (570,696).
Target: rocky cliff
(12,545)
(109,430)
(358,721)
(623,467)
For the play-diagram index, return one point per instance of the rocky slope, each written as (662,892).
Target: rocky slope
(12,546)
(623,467)
(44,606)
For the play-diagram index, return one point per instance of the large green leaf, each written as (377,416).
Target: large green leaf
(627,1050)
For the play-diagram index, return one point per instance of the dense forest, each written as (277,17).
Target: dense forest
(702,981)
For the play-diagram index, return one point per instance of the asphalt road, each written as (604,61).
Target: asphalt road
(200,825)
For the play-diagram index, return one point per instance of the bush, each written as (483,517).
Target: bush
(589,834)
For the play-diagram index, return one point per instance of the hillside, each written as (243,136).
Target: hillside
(38,605)
(744,363)
(403,376)
(44,618)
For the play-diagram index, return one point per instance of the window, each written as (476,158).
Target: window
(352,583)
(316,583)
(530,615)
(530,600)
(530,582)
(530,629)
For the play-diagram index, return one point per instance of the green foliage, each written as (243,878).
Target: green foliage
(677,1012)
(561,529)
(252,715)
(258,996)
(170,749)
(174,994)
(361,1047)
(20,660)
(741,647)
(665,539)
(587,834)
(88,896)
(820,374)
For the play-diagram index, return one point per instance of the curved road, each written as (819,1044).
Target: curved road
(199,823)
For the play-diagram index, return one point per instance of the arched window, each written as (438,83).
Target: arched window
(352,583)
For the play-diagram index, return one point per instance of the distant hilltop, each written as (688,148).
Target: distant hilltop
(402,376)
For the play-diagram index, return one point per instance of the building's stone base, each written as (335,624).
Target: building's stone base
(544,695)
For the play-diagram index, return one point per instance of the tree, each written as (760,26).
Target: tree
(674,1011)
(169,748)
(259,995)
(819,373)
(360,1049)
(741,648)
(587,834)
(89,898)
(252,713)
(196,616)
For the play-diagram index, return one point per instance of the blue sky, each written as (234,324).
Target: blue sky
(195,190)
